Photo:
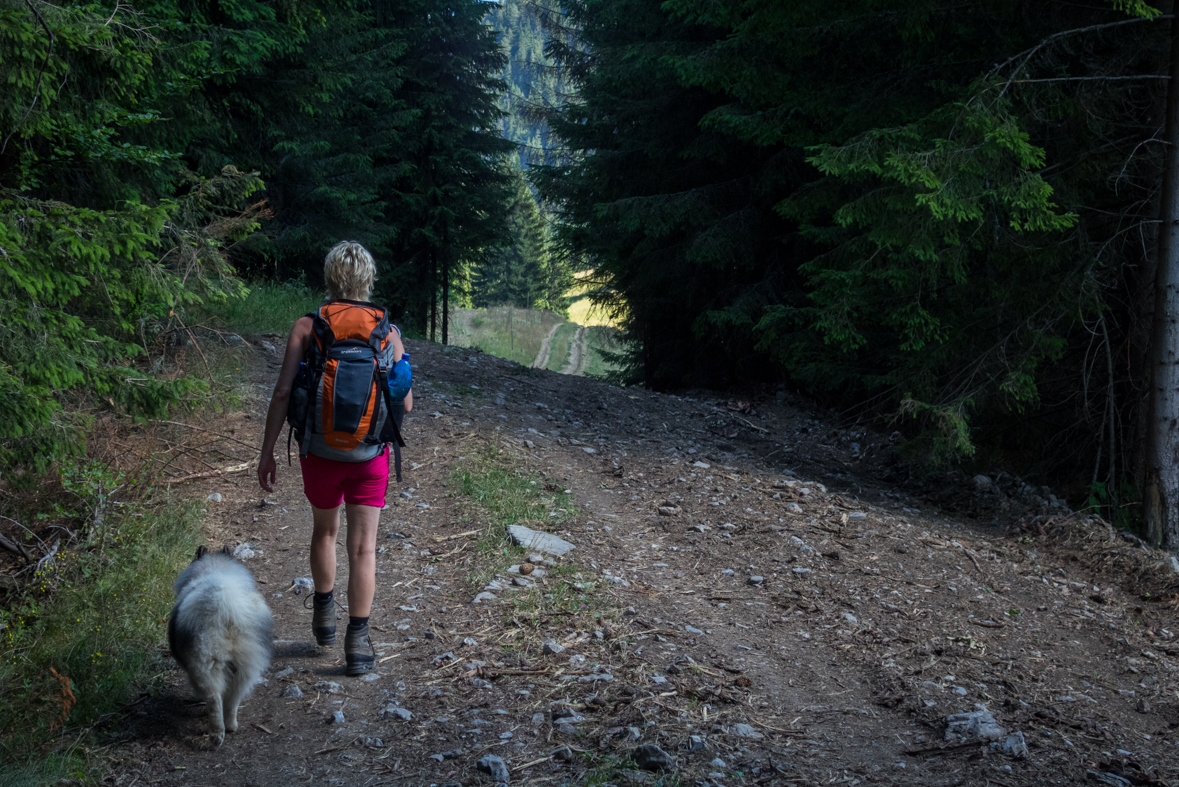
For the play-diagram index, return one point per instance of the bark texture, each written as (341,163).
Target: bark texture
(1161,495)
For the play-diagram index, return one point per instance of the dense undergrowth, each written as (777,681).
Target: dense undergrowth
(83,612)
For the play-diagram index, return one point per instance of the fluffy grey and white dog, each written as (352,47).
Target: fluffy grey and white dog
(222,633)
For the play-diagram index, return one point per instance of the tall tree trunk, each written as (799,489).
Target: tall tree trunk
(445,287)
(433,294)
(1161,495)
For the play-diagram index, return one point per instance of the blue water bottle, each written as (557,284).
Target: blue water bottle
(400,378)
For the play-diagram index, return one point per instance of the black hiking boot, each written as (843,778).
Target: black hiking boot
(323,621)
(359,653)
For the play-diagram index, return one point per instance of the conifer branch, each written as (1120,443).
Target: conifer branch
(1073,32)
(1089,79)
(40,76)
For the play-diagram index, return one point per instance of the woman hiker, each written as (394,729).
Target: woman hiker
(338,465)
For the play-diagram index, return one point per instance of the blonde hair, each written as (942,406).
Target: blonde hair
(349,271)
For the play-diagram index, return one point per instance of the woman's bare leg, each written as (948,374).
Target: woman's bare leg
(362,558)
(325,527)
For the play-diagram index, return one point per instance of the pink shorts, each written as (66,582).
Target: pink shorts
(327,483)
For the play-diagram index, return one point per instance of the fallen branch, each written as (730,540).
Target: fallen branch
(973,560)
(944,749)
(456,535)
(209,431)
(749,423)
(49,556)
(12,546)
(210,473)
(987,624)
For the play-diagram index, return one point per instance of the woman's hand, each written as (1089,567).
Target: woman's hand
(266,471)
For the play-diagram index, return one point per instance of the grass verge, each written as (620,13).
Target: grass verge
(504,494)
(82,631)
(86,631)
(267,308)
(504,331)
(560,346)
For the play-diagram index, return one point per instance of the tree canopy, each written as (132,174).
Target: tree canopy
(152,153)
(915,209)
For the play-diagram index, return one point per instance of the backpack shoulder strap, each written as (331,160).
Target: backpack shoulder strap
(321,330)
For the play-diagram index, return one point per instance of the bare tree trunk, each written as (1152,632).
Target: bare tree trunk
(433,294)
(1161,495)
(445,287)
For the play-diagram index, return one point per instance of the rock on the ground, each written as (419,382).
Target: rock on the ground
(542,542)
(597,676)
(1013,746)
(484,596)
(978,724)
(303,584)
(292,692)
(650,757)
(329,687)
(214,498)
(494,766)
(245,551)
(337,718)
(755,580)
(394,712)
(550,647)
(746,731)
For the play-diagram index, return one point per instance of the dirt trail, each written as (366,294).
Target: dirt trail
(576,352)
(744,593)
(546,348)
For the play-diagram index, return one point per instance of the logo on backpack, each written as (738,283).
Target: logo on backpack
(341,393)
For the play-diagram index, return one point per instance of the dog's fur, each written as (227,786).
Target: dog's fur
(222,633)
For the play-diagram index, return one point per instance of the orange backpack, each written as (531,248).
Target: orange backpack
(341,392)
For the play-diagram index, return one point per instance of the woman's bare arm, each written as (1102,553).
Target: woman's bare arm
(297,344)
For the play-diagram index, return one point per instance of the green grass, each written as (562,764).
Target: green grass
(505,495)
(605,769)
(267,308)
(86,635)
(567,590)
(560,346)
(458,389)
(503,331)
